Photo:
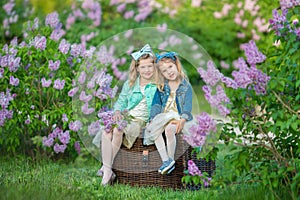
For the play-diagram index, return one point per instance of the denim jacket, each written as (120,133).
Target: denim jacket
(183,100)
(131,96)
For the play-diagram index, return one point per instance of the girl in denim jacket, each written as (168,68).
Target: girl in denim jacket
(136,97)
(171,109)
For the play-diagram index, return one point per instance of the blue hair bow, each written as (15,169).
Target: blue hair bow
(166,55)
(145,50)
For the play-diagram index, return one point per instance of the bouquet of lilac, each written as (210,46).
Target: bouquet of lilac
(106,119)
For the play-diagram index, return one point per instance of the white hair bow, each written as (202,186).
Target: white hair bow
(145,50)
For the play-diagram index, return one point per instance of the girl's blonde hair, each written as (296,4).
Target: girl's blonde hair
(159,79)
(133,73)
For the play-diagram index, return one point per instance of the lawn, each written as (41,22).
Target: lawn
(23,178)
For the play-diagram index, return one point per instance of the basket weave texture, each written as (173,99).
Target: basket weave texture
(138,166)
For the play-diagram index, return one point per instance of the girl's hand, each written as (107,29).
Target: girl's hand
(179,124)
(117,116)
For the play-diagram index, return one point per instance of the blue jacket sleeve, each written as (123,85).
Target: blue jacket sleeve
(156,107)
(188,104)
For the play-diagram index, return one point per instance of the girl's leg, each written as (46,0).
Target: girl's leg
(116,142)
(170,132)
(107,152)
(161,147)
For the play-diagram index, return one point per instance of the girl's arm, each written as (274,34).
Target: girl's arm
(122,101)
(187,105)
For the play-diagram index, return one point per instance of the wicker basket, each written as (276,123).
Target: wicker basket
(138,166)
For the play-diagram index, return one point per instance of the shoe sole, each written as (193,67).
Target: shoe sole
(167,168)
(170,170)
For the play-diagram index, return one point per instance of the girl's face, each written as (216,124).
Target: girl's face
(146,68)
(169,70)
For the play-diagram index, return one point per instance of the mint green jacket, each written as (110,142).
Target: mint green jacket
(131,96)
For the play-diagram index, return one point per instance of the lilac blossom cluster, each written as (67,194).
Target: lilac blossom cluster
(106,119)
(144,7)
(5,98)
(284,4)
(56,136)
(9,58)
(90,9)
(100,84)
(193,170)
(240,18)
(198,133)
(243,77)
(11,18)
(105,57)
(281,26)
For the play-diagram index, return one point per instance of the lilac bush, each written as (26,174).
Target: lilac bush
(39,79)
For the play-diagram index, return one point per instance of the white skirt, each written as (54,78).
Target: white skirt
(131,131)
(159,123)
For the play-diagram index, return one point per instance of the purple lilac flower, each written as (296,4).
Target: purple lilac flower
(40,42)
(193,169)
(53,66)
(128,14)
(82,77)
(121,7)
(64,137)
(72,92)
(55,133)
(230,83)
(278,21)
(77,147)
(250,76)
(13,81)
(198,133)
(64,46)
(58,84)
(46,83)
(27,121)
(76,50)
(85,98)
(162,28)
(57,33)
(75,126)
(94,128)
(8,7)
(59,148)
(252,53)
(14,64)
(4,60)
(212,75)
(65,118)
(52,19)
(48,141)
(128,33)
(86,110)
(1,72)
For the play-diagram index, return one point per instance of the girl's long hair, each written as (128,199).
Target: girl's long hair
(133,73)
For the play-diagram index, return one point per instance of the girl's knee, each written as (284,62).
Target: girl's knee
(170,130)
(116,132)
(107,135)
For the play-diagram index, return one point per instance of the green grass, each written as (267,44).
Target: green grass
(22,178)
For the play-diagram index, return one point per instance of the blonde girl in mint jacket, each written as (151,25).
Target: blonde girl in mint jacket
(136,96)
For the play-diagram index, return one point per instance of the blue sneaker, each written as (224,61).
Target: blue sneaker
(170,170)
(166,166)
